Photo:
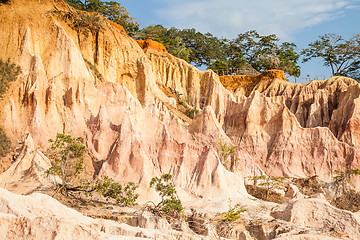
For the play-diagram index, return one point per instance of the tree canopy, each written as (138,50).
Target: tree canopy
(342,56)
(111,10)
(248,50)
(263,53)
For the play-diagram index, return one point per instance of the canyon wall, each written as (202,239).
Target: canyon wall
(103,86)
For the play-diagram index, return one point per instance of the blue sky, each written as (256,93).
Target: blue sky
(298,21)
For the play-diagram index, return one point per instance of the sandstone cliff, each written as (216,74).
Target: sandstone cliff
(130,130)
(129,102)
(297,129)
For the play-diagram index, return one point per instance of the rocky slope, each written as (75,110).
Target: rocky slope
(130,132)
(298,129)
(128,103)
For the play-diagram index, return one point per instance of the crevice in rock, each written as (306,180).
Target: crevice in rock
(96,50)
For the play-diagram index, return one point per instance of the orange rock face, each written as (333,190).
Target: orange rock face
(285,129)
(103,87)
(131,133)
(247,82)
(148,43)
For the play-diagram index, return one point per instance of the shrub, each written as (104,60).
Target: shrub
(112,190)
(94,69)
(4,1)
(5,143)
(112,10)
(87,21)
(81,21)
(345,176)
(269,183)
(67,155)
(190,112)
(8,73)
(224,152)
(182,101)
(234,213)
(169,204)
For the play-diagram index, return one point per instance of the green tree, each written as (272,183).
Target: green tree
(226,151)
(170,204)
(205,48)
(154,32)
(115,12)
(8,73)
(252,47)
(188,44)
(5,143)
(169,38)
(111,10)
(248,50)
(234,212)
(342,56)
(67,155)
(270,183)
(263,53)
(288,57)
(110,189)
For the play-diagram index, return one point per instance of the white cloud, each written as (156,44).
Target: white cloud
(230,17)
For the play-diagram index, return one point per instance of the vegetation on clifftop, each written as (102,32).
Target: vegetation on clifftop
(249,51)
(111,10)
(4,1)
(342,56)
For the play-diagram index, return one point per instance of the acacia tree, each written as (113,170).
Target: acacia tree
(205,48)
(248,50)
(170,204)
(67,156)
(188,44)
(342,56)
(263,53)
(169,38)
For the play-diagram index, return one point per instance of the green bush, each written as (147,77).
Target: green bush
(112,190)
(170,204)
(225,152)
(269,183)
(81,21)
(345,176)
(5,143)
(67,155)
(182,101)
(87,21)
(234,213)
(8,73)
(190,112)
(111,10)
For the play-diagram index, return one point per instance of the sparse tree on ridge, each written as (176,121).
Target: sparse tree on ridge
(342,56)
(248,50)
(111,10)
(263,53)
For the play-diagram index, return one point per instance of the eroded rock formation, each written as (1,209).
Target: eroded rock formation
(124,100)
(131,133)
